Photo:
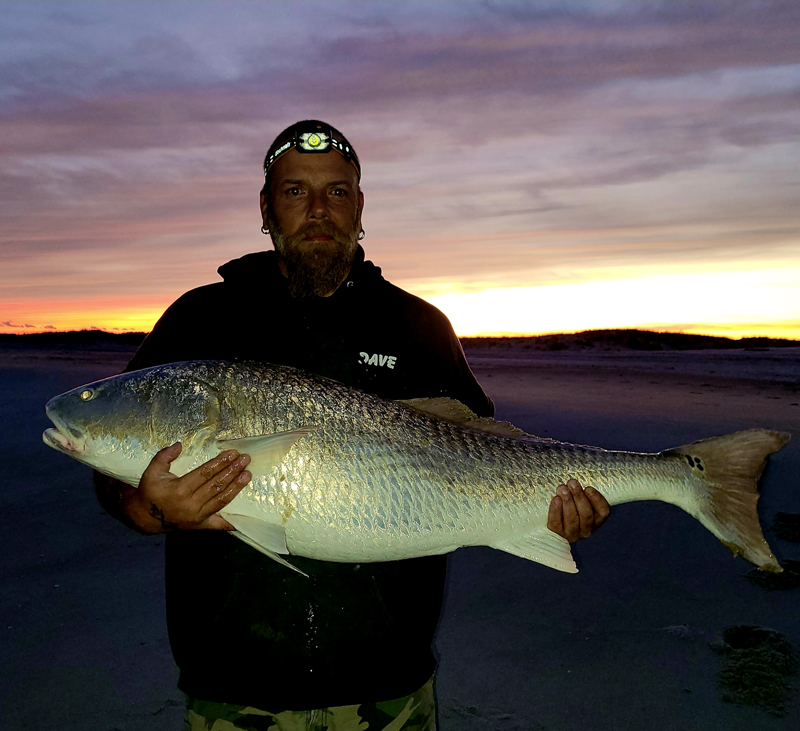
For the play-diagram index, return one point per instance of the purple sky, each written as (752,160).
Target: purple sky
(504,144)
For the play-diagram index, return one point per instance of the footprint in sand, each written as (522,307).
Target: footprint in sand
(757,662)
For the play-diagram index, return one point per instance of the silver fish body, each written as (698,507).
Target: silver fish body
(341,475)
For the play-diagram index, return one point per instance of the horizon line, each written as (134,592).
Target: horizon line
(491,335)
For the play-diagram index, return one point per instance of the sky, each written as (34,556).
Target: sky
(528,167)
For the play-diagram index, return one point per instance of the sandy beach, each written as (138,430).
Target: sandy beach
(633,641)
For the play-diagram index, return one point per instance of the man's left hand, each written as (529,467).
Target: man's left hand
(576,513)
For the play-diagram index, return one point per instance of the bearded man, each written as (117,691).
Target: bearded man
(258,645)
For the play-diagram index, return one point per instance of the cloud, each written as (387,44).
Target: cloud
(498,139)
(477,50)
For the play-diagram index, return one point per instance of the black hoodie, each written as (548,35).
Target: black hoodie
(243,629)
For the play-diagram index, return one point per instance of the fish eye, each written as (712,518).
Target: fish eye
(87,395)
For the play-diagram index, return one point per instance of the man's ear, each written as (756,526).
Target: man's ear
(360,204)
(264,205)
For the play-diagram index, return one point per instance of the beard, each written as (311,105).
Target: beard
(314,268)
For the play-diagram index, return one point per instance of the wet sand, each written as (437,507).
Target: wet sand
(628,643)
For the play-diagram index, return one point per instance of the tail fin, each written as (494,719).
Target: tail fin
(730,467)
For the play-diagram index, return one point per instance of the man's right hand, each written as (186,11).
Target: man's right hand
(164,502)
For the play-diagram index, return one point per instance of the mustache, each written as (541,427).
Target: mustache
(321,228)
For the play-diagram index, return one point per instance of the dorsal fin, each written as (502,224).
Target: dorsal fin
(453,410)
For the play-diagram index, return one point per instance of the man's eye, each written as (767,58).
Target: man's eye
(294,191)
(339,192)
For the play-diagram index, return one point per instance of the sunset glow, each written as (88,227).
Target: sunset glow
(528,168)
(110,315)
(733,304)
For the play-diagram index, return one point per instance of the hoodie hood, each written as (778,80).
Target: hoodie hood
(262,267)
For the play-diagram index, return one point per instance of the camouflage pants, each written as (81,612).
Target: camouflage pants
(415,712)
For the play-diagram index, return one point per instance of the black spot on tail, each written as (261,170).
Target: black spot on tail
(694,462)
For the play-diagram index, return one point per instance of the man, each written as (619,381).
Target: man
(258,645)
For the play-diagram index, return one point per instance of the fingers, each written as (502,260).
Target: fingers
(164,458)
(226,484)
(220,491)
(555,516)
(216,522)
(575,513)
(583,508)
(600,505)
(571,516)
(215,471)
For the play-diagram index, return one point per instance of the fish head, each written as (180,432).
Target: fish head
(116,425)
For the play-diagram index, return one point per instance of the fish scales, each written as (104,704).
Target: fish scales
(343,475)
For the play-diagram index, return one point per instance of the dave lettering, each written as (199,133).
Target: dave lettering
(377,359)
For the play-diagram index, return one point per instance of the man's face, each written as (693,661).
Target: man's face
(313,213)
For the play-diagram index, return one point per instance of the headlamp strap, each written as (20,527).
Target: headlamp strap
(312,142)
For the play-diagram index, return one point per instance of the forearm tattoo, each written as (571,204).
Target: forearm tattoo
(158,514)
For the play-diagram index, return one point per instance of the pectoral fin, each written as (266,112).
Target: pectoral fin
(542,546)
(265,450)
(267,538)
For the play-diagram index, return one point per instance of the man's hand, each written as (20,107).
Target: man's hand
(164,502)
(576,513)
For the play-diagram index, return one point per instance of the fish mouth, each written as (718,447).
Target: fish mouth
(56,439)
(63,438)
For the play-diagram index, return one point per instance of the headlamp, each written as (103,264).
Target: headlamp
(314,142)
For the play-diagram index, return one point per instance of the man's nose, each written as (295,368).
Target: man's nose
(318,205)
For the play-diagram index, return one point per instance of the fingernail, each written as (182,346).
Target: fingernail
(563,491)
(244,478)
(575,488)
(590,489)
